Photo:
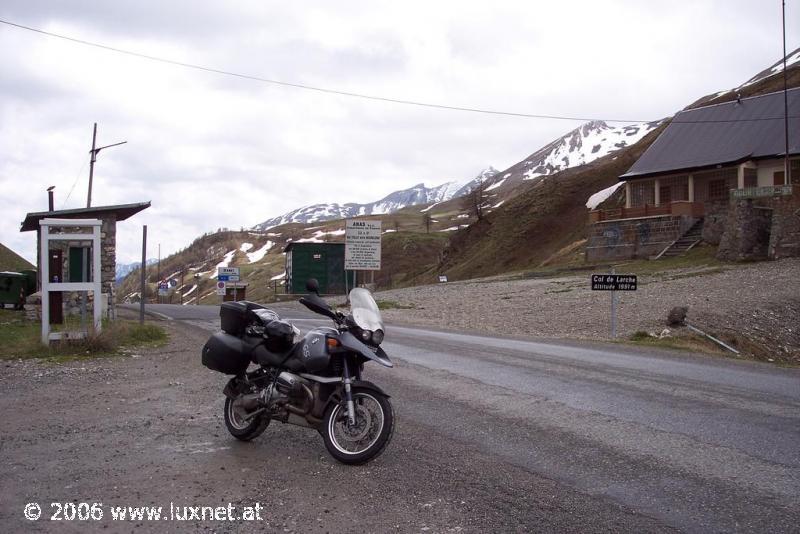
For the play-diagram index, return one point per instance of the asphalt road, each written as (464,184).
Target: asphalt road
(492,435)
(697,443)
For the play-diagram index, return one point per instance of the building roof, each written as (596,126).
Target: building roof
(720,134)
(122,212)
(314,243)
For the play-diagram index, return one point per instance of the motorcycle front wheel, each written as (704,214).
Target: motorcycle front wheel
(364,441)
(237,423)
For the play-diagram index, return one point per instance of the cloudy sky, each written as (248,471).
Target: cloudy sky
(215,151)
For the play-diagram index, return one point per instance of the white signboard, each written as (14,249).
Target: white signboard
(362,245)
(227,271)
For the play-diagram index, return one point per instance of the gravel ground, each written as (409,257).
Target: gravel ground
(757,305)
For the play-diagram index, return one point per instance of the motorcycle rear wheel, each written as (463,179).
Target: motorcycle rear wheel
(242,429)
(365,440)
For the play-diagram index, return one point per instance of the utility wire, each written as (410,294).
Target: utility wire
(309,87)
(77,177)
(360,95)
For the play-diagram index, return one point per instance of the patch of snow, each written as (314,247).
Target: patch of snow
(506,175)
(495,186)
(498,204)
(194,287)
(309,240)
(452,228)
(429,207)
(279,276)
(245,247)
(259,254)
(462,216)
(226,261)
(389,231)
(601,196)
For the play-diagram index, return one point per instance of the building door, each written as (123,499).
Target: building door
(56,265)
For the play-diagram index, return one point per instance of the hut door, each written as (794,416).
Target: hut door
(56,259)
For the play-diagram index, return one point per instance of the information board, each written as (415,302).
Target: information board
(362,245)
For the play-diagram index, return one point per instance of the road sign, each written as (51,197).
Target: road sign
(228,277)
(614,282)
(362,245)
(222,271)
(221,288)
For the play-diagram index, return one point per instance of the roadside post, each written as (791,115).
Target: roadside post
(362,246)
(143,270)
(614,282)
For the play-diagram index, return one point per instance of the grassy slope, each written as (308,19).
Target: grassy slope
(11,261)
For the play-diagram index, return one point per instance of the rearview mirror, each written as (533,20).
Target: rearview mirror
(312,286)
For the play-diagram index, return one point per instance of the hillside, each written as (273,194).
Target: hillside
(11,261)
(545,218)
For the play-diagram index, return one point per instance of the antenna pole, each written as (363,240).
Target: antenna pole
(787,168)
(91,165)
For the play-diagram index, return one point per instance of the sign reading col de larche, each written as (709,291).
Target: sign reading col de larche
(362,245)
(614,282)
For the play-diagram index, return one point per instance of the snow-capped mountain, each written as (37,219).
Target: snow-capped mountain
(124,269)
(792,59)
(582,145)
(419,194)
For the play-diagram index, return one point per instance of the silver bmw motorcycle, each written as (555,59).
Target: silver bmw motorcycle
(313,381)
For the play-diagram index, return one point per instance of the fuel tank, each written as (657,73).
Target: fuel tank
(312,351)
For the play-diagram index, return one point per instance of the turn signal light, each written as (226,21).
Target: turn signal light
(332,343)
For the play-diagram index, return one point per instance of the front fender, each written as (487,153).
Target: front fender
(351,342)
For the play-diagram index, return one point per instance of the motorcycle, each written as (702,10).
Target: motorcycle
(314,381)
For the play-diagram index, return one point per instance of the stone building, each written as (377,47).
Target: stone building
(716,172)
(109,215)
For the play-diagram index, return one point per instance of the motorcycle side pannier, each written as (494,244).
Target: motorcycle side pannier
(225,353)
(234,316)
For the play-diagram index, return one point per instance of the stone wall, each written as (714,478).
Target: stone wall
(763,228)
(747,231)
(633,238)
(716,215)
(784,239)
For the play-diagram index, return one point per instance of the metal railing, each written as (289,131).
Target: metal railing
(694,209)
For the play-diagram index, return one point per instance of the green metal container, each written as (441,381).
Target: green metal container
(12,289)
(323,261)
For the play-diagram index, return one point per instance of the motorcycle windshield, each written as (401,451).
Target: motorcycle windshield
(365,310)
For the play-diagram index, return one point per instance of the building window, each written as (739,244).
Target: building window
(673,188)
(715,185)
(750,177)
(778,178)
(642,193)
(717,190)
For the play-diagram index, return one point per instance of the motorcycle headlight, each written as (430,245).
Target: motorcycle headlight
(377,337)
(366,335)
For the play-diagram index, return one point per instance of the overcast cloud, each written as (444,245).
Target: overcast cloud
(214,151)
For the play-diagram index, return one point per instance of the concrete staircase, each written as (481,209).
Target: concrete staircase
(683,244)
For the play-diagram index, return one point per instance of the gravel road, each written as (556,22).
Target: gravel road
(755,302)
(147,430)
